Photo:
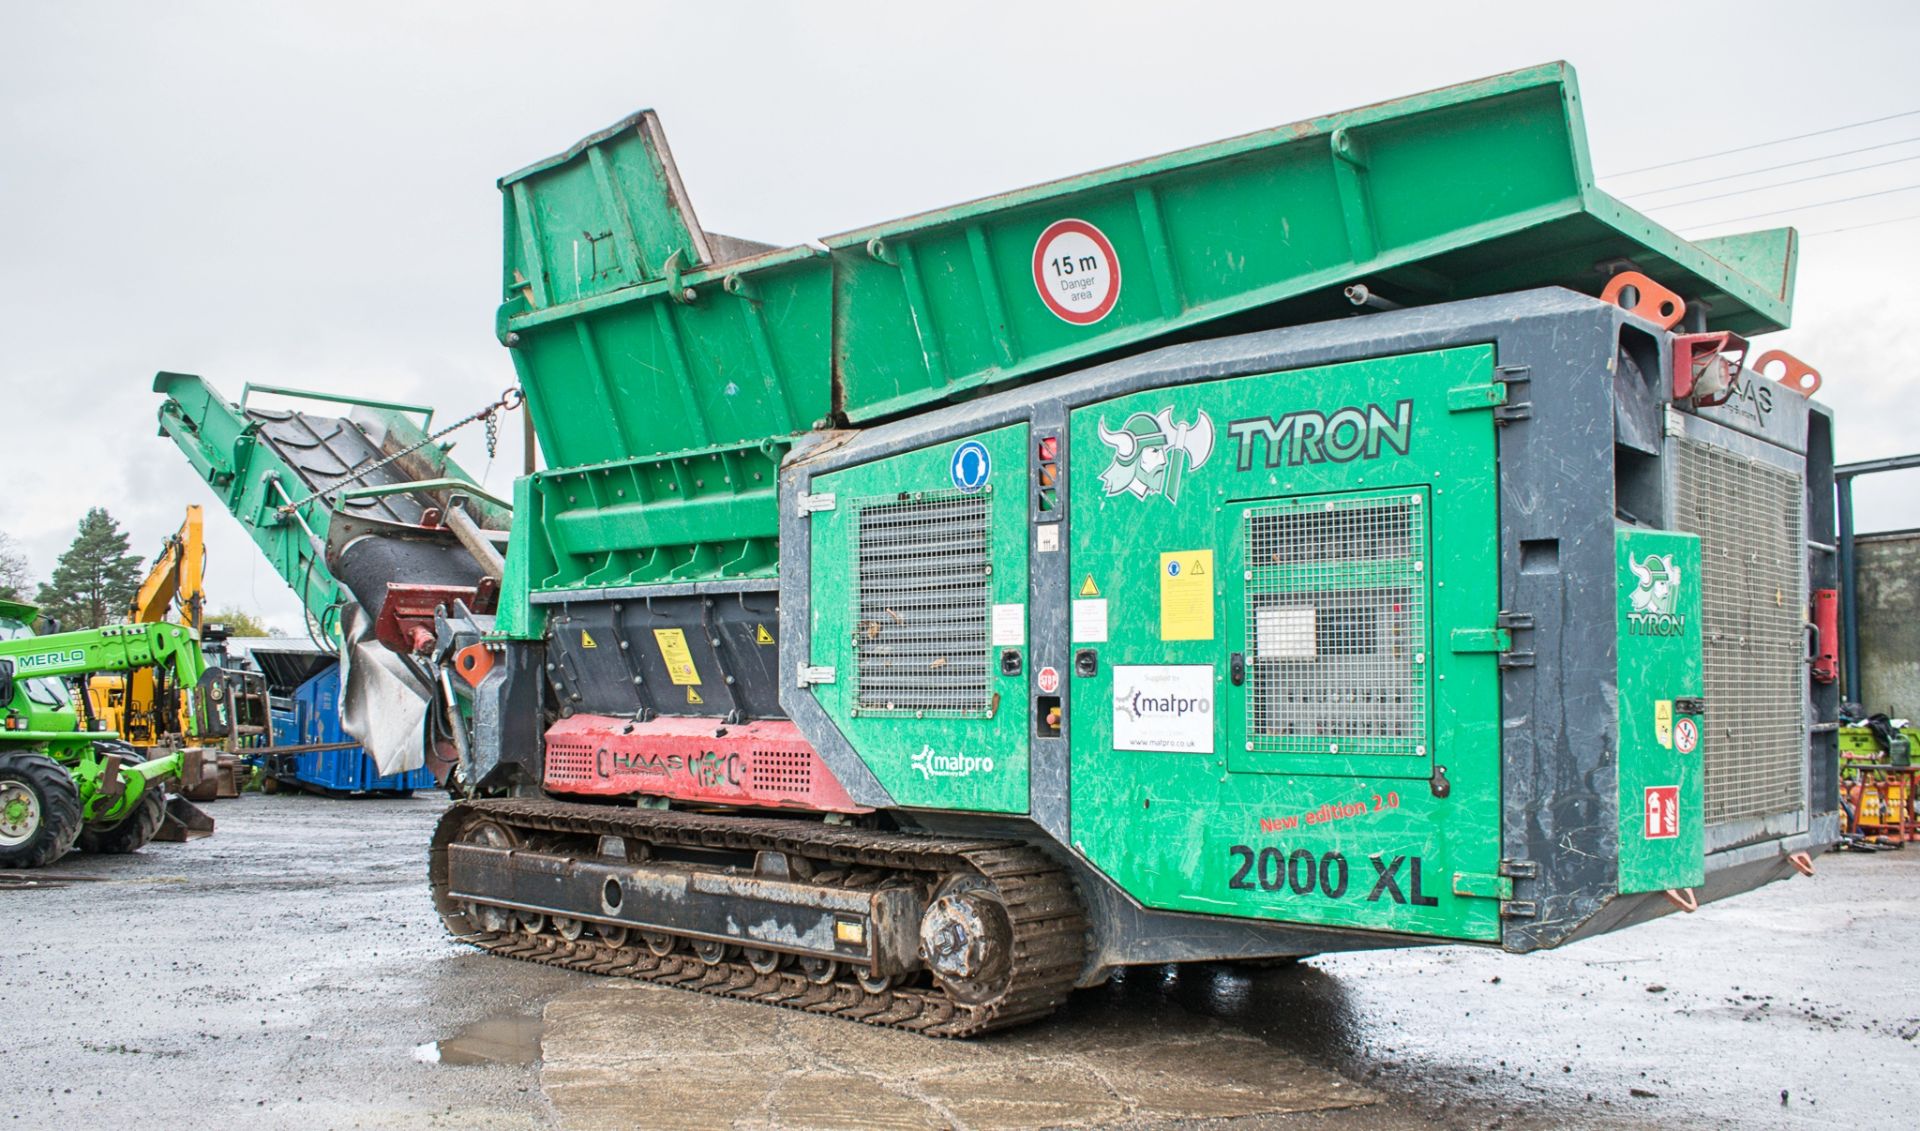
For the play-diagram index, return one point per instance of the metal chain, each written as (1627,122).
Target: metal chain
(509,400)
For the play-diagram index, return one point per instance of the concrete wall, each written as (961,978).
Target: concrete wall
(1887,567)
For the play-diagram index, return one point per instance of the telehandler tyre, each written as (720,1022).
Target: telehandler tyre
(39,810)
(133,830)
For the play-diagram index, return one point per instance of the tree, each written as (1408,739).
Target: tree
(239,622)
(16,580)
(95,579)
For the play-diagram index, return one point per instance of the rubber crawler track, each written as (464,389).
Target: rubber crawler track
(1049,926)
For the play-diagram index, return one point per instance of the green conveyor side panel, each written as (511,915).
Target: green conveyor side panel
(658,342)
(253,471)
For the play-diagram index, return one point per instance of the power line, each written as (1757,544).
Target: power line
(1804,207)
(1872,224)
(1769,168)
(1764,144)
(1784,184)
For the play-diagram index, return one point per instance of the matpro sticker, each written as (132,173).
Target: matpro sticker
(1167,707)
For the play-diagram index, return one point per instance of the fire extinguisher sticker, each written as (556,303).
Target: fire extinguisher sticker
(1663,812)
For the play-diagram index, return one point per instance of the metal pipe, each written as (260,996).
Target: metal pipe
(1849,608)
(1359,294)
(473,538)
(1843,477)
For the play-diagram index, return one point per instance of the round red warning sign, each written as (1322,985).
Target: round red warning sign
(1076,271)
(1686,735)
(1048,680)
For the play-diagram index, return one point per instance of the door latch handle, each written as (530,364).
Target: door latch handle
(1237,668)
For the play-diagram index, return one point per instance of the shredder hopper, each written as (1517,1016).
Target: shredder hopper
(667,368)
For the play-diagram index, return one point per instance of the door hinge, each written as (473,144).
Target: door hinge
(1511,657)
(811,674)
(1467,398)
(1472,886)
(811,504)
(1511,870)
(1482,640)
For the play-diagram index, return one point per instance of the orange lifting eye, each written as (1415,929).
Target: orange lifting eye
(1646,298)
(473,663)
(1798,375)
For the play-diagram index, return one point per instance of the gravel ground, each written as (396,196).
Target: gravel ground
(290,972)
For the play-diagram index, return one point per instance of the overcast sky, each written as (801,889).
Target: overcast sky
(304,195)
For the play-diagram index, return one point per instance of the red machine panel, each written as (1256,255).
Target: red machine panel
(765,764)
(1826,636)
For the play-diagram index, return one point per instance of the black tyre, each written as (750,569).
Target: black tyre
(134,828)
(39,810)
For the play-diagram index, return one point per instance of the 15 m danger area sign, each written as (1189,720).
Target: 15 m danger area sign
(1076,271)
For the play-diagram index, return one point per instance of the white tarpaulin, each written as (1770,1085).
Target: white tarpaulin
(382,703)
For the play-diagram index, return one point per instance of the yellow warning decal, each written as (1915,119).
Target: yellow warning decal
(1663,722)
(1186,595)
(694,696)
(677,656)
(586,640)
(1088,588)
(761,635)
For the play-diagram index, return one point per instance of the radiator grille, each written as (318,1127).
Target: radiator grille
(920,622)
(1337,626)
(1747,515)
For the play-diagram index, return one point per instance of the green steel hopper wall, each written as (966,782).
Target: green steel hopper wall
(637,346)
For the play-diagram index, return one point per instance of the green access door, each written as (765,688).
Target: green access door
(919,576)
(1290,583)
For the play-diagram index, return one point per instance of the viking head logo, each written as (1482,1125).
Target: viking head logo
(1658,590)
(1152,452)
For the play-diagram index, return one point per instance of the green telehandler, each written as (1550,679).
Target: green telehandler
(63,784)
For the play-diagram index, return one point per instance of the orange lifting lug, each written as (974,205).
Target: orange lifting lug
(473,663)
(1706,366)
(1641,296)
(1798,376)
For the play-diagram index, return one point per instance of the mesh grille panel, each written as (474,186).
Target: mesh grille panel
(920,628)
(1337,626)
(569,761)
(1747,515)
(781,771)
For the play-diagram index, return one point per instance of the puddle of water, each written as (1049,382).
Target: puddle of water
(509,1039)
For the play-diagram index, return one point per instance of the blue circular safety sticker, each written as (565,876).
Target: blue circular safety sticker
(1173,569)
(971,466)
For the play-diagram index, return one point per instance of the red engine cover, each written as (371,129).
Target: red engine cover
(765,764)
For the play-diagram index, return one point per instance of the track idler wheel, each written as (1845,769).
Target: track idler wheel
(485,915)
(966,939)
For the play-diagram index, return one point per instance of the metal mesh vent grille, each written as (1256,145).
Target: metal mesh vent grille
(781,771)
(569,761)
(1337,626)
(920,628)
(1747,515)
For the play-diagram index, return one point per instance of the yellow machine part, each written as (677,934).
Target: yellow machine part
(125,701)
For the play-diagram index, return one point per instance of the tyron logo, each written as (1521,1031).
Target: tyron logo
(1655,596)
(1152,452)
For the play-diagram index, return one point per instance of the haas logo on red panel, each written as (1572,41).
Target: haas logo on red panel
(1663,812)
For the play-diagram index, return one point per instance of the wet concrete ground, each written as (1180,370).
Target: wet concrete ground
(289,972)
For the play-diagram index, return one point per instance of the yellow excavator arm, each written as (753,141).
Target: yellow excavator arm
(125,701)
